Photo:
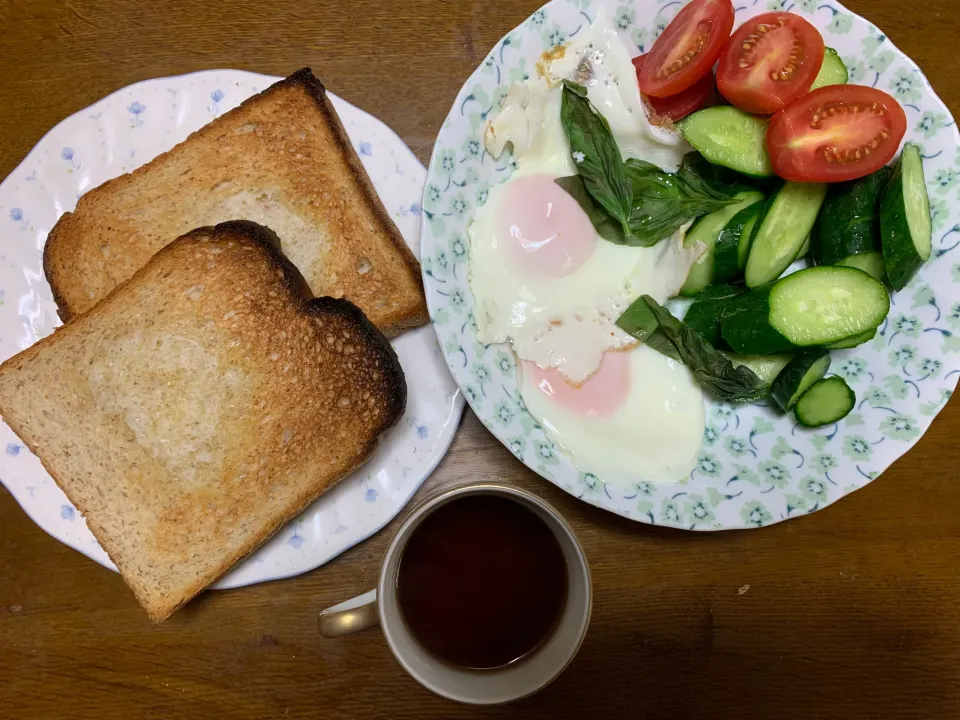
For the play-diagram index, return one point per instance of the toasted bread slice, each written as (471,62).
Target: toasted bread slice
(281,159)
(200,406)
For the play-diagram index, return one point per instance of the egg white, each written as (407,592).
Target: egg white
(654,436)
(598,59)
(568,322)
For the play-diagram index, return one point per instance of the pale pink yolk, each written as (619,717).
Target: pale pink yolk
(601,394)
(551,235)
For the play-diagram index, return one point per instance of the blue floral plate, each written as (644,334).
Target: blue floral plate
(125,130)
(755,467)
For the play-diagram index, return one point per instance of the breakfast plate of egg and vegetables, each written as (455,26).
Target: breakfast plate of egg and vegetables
(695,262)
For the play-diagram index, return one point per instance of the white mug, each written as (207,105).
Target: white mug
(517,680)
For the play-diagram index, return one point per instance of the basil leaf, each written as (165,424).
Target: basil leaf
(595,153)
(606,227)
(634,202)
(711,369)
(642,166)
(576,88)
(638,320)
(664,202)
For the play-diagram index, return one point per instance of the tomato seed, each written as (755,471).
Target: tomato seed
(748,45)
(841,157)
(816,121)
(703,34)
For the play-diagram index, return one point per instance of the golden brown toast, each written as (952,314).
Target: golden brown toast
(200,406)
(281,159)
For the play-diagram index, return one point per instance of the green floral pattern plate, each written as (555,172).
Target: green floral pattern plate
(755,467)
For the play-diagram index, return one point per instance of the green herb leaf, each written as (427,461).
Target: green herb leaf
(595,153)
(606,227)
(638,320)
(576,88)
(664,202)
(633,203)
(711,369)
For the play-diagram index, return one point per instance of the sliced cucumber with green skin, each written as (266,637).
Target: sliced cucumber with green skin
(905,226)
(802,372)
(707,230)
(707,309)
(826,402)
(832,72)
(729,137)
(697,164)
(847,231)
(765,367)
(804,250)
(810,308)
(726,254)
(787,219)
(871,262)
(746,237)
(852,342)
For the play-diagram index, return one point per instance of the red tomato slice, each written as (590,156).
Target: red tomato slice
(836,133)
(770,60)
(697,96)
(687,48)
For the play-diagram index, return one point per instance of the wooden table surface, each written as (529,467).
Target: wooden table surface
(851,612)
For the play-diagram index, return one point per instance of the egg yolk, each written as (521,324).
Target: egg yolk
(549,233)
(599,395)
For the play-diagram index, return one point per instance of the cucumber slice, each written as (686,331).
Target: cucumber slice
(781,230)
(697,164)
(746,238)
(809,308)
(706,230)
(726,255)
(765,367)
(832,72)
(905,226)
(707,309)
(849,223)
(852,342)
(729,137)
(804,250)
(871,262)
(802,372)
(826,402)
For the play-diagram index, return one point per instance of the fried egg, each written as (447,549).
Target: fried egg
(639,417)
(545,282)
(541,276)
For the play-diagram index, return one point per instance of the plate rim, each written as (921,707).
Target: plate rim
(457,402)
(197,73)
(463,92)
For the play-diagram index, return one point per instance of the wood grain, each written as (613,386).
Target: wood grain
(851,612)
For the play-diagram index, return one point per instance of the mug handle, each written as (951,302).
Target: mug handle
(350,616)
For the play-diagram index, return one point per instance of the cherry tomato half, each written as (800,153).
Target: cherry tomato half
(697,96)
(687,48)
(836,133)
(770,60)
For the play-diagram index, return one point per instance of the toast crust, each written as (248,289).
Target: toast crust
(314,175)
(328,313)
(317,91)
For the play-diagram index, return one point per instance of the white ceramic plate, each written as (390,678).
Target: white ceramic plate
(116,135)
(755,467)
